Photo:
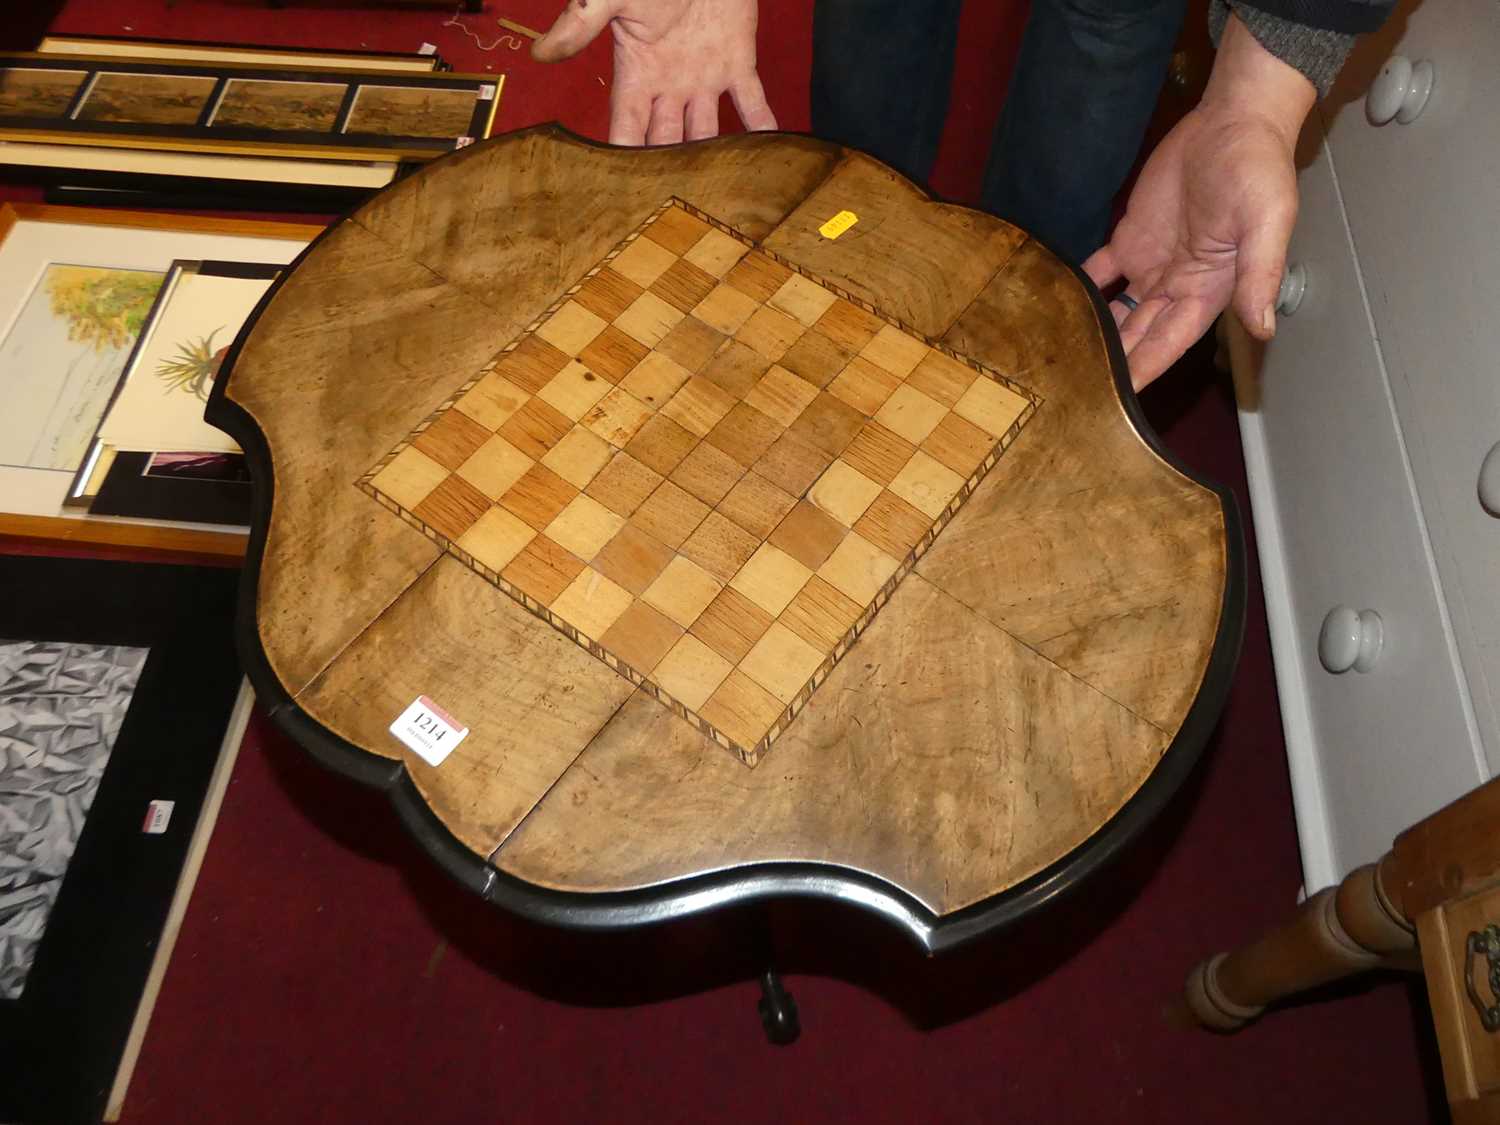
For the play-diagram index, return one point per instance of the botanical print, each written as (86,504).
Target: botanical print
(146,99)
(195,366)
(61,707)
(411,111)
(311,107)
(33,92)
(62,358)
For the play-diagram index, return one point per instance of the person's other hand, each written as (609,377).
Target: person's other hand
(1209,219)
(673,61)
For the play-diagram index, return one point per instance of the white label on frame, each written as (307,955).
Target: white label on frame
(427,49)
(487,92)
(158,816)
(428,731)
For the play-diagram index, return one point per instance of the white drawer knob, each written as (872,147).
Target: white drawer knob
(1489,481)
(1399,91)
(1350,639)
(1293,287)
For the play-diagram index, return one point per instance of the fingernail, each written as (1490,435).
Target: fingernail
(1268,321)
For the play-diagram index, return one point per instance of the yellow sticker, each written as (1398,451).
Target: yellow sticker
(838,224)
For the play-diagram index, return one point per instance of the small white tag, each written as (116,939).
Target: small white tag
(158,816)
(487,92)
(427,49)
(463,142)
(429,731)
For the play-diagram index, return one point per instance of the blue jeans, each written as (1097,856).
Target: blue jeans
(1083,91)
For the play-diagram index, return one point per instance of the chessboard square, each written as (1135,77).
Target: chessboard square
(542,570)
(698,406)
(781,395)
(895,350)
(802,299)
(858,568)
(536,428)
(878,453)
(451,508)
(708,473)
(574,390)
(863,385)
(683,286)
(991,407)
(742,710)
(643,261)
(409,477)
(720,546)
(677,230)
(815,358)
(745,434)
(656,379)
(571,328)
(612,354)
(736,368)
(690,672)
(492,400)
(617,417)
(958,444)
(942,377)
(758,277)
(769,332)
(531,363)
(771,578)
(828,423)
(808,534)
(607,294)
(821,615)
(849,326)
(793,464)
(670,514)
(451,438)
(731,625)
(592,603)
(683,590)
(633,559)
(757,505)
(538,496)
(623,484)
(692,343)
(661,444)
(725,309)
(496,538)
(782,662)
(716,253)
(584,527)
(641,636)
(495,466)
(911,414)
(893,525)
(927,484)
(844,492)
(648,319)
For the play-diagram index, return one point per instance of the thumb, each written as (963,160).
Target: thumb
(1259,264)
(580,23)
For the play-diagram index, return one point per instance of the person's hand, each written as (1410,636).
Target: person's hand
(1210,217)
(673,61)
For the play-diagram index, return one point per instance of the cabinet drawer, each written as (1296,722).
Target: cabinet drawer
(1337,522)
(1471,1055)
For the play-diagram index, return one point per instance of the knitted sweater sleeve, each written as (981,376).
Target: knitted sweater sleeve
(1314,36)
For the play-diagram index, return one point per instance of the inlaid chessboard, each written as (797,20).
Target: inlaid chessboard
(706,467)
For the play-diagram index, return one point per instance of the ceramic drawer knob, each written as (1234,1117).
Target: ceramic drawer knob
(1399,91)
(1350,639)
(1489,481)
(1293,288)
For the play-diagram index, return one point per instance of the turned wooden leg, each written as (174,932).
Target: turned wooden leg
(1338,932)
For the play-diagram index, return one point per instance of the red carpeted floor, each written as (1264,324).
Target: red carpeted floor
(327,972)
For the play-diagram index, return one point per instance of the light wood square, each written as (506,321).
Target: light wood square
(492,400)
(690,672)
(643,261)
(496,538)
(858,568)
(571,328)
(911,414)
(821,615)
(927,484)
(863,385)
(624,484)
(677,230)
(641,636)
(808,534)
(648,319)
(495,466)
(670,514)
(782,662)
(758,276)
(725,309)
(683,590)
(844,492)
(584,527)
(771,578)
(742,709)
(592,603)
(613,354)
(656,379)
(607,294)
(538,496)
(991,407)
(802,299)
(731,625)
(781,395)
(409,477)
(451,438)
(716,253)
(878,453)
(897,351)
(574,390)
(698,405)
(768,332)
(757,505)
(633,559)
(942,377)
(849,326)
(708,473)
(720,546)
(542,570)
(617,417)
(451,508)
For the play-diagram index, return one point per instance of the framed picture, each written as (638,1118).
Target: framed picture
(184,50)
(76,288)
(183,487)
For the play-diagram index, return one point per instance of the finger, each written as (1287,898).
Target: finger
(1122,304)
(1258,265)
(702,117)
(1139,322)
(629,114)
(581,21)
(1103,266)
(1172,333)
(666,121)
(749,98)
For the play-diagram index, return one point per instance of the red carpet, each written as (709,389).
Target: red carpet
(327,972)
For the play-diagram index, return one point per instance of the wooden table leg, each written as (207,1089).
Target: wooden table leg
(1340,931)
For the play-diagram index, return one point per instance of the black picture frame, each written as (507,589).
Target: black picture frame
(129,490)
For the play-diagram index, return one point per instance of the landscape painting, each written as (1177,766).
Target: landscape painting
(412,111)
(308,107)
(62,358)
(146,99)
(33,92)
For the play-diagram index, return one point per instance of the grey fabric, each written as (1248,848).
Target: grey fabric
(61,707)
(1317,52)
